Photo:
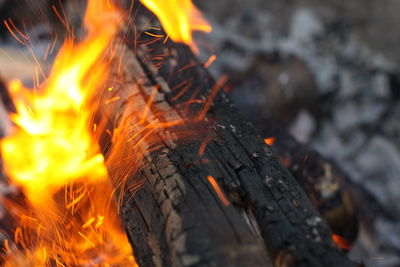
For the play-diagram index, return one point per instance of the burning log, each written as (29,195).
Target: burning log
(205,192)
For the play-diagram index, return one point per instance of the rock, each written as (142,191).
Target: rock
(391,126)
(346,116)
(278,86)
(378,166)
(305,26)
(331,143)
(381,86)
(352,114)
(303,127)
(388,233)
(349,88)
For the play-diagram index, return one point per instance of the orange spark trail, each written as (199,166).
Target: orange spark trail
(218,190)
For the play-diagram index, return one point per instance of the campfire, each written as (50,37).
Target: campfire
(125,151)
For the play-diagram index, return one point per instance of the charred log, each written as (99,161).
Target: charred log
(189,203)
(325,184)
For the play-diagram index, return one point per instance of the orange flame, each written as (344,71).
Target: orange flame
(57,163)
(179,19)
(53,120)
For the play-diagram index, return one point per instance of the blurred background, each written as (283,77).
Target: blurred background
(327,73)
(323,72)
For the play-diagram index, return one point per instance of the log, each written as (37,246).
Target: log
(206,192)
(172,218)
(325,184)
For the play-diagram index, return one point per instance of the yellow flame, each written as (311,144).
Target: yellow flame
(54,158)
(179,19)
(52,144)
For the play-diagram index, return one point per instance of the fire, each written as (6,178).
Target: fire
(270,141)
(53,157)
(53,119)
(179,19)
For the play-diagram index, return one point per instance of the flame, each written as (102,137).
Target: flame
(53,157)
(179,19)
(53,120)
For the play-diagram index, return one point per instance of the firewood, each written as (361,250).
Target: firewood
(208,198)
(325,184)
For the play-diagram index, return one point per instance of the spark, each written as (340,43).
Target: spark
(218,190)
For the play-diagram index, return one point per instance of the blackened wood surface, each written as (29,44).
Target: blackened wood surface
(176,217)
(325,184)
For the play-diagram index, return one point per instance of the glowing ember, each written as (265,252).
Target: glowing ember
(270,141)
(341,242)
(179,19)
(56,161)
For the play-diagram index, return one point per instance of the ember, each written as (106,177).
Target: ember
(270,140)
(342,242)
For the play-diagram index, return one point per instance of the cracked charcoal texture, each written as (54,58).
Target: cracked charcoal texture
(177,219)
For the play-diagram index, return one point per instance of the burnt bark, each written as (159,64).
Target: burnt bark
(172,213)
(325,184)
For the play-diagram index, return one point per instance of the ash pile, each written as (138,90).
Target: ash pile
(327,72)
